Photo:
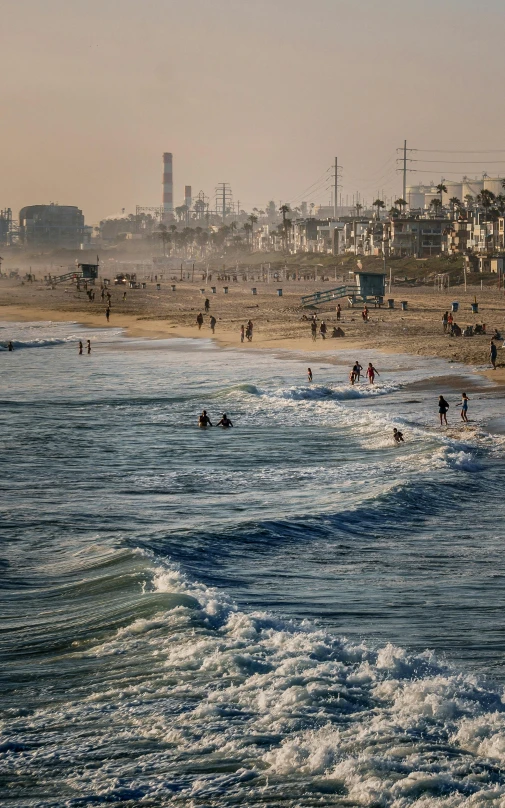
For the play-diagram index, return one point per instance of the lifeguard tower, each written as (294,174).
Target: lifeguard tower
(88,272)
(369,288)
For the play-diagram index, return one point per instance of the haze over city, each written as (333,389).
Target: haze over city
(261,95)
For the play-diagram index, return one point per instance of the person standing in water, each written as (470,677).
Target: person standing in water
(213,324)
(309,374)
(443,406)
(225,422)
(493,352)
(80,348)
(204,420)
(10,346)
(464,407)
(88,345)
(371,373)
(199,320)
(357,370)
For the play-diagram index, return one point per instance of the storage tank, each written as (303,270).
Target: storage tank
(454,189)
(494,184)
(472,187)
(415,196)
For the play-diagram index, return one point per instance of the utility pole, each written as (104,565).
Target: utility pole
(224,198)
(335,196)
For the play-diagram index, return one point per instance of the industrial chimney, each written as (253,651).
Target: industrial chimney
(188,200)
(168,185)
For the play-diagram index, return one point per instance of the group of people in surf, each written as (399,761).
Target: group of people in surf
(443,406)
(204,421)
(355,374)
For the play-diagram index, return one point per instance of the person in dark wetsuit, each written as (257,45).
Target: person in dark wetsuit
(204,420)
(398,436)
(10,346)
(88,345)
(80,348)
(225,422)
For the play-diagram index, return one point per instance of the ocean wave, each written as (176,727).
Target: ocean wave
(297,710)
(322,392)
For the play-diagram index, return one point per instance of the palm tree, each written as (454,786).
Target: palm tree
(394,213)
(454,202)
(469,200)
(165,237)
(253,219)
(360,207)
(247,228)
(500,203)
(285,209)
(401,203)
(436,204)
(485,199)
(441,188)
(379,204)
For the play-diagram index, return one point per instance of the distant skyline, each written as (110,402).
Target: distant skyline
(262,95)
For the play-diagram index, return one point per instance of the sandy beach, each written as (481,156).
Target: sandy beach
(278,320)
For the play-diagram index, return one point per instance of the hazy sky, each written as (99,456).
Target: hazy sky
(261,94)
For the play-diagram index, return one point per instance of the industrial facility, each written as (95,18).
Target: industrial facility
(53,226)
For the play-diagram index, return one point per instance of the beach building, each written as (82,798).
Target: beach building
(416,235)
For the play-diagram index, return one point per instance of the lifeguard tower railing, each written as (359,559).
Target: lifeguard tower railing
(329,294)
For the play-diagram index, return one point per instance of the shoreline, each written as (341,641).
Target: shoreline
(161,327)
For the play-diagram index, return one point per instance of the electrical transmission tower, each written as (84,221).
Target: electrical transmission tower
(224,199)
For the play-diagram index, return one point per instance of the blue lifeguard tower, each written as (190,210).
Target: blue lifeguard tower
(369,288)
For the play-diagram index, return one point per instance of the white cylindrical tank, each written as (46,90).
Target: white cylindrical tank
(494,184)
(454,189)
(415,196)
(471,187)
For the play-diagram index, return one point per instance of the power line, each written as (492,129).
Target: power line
(460,151)
(460,162)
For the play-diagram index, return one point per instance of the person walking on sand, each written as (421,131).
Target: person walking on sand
(464,407)
(207,304)
(107,313)
(242,333)
(80,348)
(313,328)
(102,294)
(199,320)
(250,329)
(450,320)
(443,406)
(493,352)
(365,314)
(213,324)
(371,372)
(445,320)
(309,374)
(339,311)
(88,345)
(322,329)
(124,295)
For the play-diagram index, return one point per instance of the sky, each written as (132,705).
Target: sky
(261,94)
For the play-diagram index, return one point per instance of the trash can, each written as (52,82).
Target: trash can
(475,308)
(391,304)
(158,287)
(454,306)
(144,286)
(173,287)
(225,290)
(279,292)
(254,290)
(404,305)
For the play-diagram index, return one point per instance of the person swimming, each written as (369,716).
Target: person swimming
(225,422)
(204,420)
(398,436)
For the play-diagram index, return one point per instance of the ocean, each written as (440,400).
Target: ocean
(293,612)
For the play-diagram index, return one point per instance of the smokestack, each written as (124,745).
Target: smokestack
(168,184)
(188,201)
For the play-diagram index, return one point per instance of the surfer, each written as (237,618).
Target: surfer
(443,406)
(204,420)
(225,422)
